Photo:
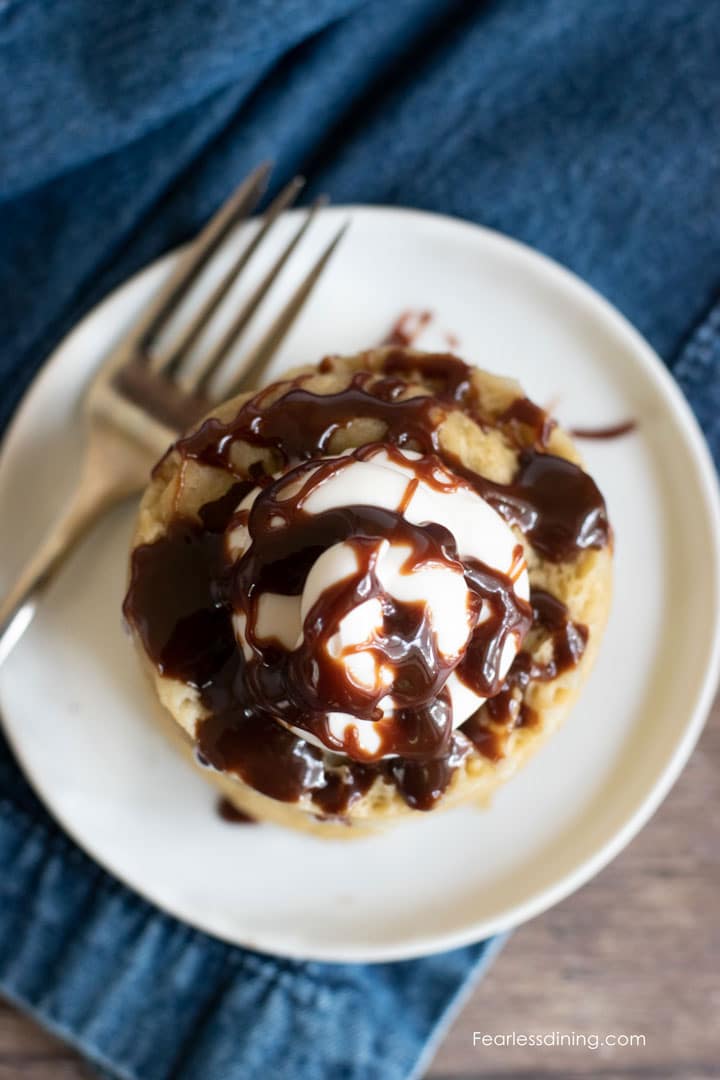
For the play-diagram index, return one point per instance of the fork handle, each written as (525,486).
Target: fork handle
(100,486)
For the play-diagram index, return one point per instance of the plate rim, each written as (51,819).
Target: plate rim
(673,399)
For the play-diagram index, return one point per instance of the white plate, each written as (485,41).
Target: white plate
(75,705)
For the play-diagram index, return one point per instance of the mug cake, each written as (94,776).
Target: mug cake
(370,590)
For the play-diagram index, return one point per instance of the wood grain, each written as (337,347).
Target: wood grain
(637,951)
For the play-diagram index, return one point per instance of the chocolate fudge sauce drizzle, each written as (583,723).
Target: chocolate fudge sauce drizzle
(183,590)
(531,417)
(613,431)
(555,503)
(305,684)
(490,727)
(408,327)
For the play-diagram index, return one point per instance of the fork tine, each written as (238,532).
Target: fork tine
(170,363)
(197,380)
(241,203)
(255,362)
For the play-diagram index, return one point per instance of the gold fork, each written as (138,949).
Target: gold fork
(141,398)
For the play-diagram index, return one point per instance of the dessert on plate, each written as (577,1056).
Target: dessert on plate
(369,590)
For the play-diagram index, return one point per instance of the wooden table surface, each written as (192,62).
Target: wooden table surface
(636,951)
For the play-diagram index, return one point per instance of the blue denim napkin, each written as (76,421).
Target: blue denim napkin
(588,130)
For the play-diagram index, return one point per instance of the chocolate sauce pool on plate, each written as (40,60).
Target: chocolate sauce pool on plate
(184,589)
(231,814)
